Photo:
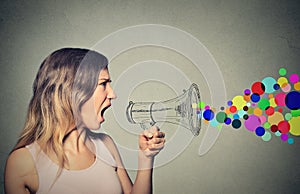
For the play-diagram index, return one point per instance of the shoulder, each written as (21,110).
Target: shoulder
(110,145)
(107,140)
(21,161)
(20,168)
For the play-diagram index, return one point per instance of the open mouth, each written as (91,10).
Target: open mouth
(103,110)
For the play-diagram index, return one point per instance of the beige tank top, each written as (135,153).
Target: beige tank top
(100,177)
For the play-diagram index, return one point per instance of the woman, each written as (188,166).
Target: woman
(57,151)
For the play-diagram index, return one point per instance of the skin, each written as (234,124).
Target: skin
(20,173)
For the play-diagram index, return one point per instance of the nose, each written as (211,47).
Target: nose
(111,94)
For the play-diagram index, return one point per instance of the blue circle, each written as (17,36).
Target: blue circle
(276,86)
(208,115)
(227,121)
(260,131)
(236,116)
(292,100)
(255,97)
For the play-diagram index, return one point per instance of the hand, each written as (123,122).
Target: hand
(151,141)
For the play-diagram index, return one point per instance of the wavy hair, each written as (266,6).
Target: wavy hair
(65,80)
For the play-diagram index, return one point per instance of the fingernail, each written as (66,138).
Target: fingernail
(150,135)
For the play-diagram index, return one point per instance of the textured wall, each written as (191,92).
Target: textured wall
(248,39)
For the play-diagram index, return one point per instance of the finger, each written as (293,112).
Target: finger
(153,129)
(156,147)
(148,134)
(156,141)
(159,134)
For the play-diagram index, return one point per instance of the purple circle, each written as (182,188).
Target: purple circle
(247,92)
(229,103)
(284,137)
(252,122)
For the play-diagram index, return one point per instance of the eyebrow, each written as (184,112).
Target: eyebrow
(105,79)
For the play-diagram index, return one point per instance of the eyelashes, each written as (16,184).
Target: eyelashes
(105,83)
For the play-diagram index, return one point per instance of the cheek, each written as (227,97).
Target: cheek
(99,99)
(88,108)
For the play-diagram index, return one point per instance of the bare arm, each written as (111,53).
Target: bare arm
(150,142)
(20,173)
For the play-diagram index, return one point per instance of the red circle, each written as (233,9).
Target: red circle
(232,109)
(284,127)
(274,128)
(258,88)
(269,111)
(280,110)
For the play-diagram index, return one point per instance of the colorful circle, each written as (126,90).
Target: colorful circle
(255,97)
(260,131)
(294,78)
(208,114)
(236,123)
(252,122)
(282,71)
(269,83)
(292,100)
(258,88)
(267,136)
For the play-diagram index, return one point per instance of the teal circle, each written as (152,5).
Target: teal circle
(277,133)
(267,136)
(269,83)
(290,140)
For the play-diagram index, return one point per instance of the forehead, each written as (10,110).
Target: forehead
(104,73)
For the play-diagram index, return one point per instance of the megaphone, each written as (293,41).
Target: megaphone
(180,111)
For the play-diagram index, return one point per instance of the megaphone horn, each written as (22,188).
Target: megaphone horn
(179,111)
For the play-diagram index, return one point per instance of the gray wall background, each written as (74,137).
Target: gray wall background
(249,40)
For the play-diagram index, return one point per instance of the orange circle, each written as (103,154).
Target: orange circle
(297,86)
(257,112)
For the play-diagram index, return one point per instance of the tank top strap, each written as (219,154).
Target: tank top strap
(46,169)
(103,153)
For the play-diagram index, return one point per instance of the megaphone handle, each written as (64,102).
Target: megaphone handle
(147,125)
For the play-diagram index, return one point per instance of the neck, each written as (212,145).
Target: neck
(74,140)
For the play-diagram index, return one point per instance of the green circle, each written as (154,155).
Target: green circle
(295,113)
(230,116)
(288,116)
(221,116)
(201,105)
(263,104)
(267,125)
(282,71)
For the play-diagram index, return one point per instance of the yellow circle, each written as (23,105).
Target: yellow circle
(272,102)
(281,81)
(239,102)
(295,126)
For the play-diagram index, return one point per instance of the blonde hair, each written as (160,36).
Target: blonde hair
(66,79)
